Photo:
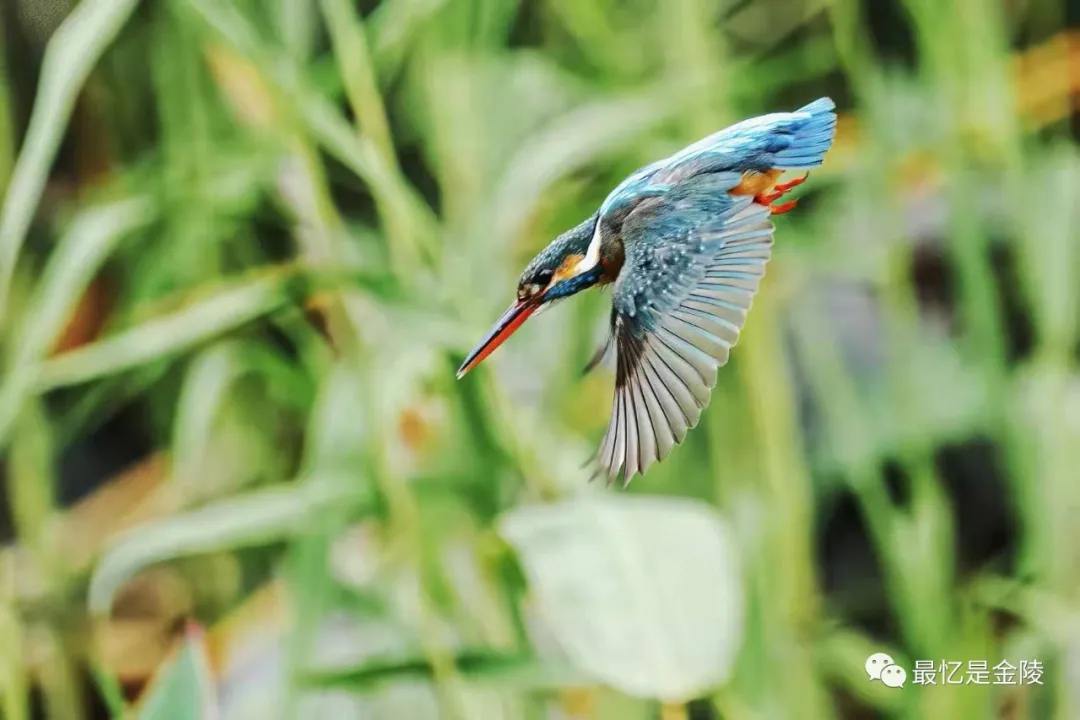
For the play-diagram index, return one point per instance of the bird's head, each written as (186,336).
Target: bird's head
(560,270)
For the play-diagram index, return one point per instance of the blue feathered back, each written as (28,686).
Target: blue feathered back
(783,141)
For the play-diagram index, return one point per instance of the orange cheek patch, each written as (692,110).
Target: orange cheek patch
(566,269)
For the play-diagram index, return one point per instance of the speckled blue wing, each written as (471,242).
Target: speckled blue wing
(695,255)
(694,261)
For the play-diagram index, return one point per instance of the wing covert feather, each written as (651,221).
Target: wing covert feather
(679,306)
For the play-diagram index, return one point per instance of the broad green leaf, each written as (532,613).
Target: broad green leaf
(257,518)
(643,593)
(182,689)
(72,52)
(245,300)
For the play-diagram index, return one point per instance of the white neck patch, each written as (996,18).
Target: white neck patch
(592,255)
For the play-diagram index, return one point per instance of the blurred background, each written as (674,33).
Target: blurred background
(245,244)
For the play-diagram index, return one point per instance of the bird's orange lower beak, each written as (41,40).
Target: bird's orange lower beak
(511,320)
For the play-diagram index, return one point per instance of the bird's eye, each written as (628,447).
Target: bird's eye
(536,285)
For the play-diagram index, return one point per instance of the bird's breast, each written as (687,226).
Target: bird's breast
(612,257)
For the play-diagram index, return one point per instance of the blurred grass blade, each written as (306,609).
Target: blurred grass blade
(349,39)
(14,675)
(164,336)
(843,653)
(7,121)
(643,593)
(297,28)
(90,240)
(322,118)
(257,518)
(570,142)
(88,243)
(30,486)
(518,672)
(409,219)
(336,420)
(201,399)
(590,24)
(71,54)
(184,688)
(394,24)
(227,21)
(1048,216)
(361,155)
(206,391)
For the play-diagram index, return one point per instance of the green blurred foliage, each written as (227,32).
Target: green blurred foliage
(243,166)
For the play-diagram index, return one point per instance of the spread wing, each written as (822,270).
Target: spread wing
(781,141)
(777,141)
(694,259)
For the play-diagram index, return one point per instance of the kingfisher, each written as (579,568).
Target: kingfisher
(684,241)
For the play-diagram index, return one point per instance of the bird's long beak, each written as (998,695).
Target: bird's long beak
(511,320)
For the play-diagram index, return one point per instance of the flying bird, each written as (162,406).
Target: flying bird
(685,241)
